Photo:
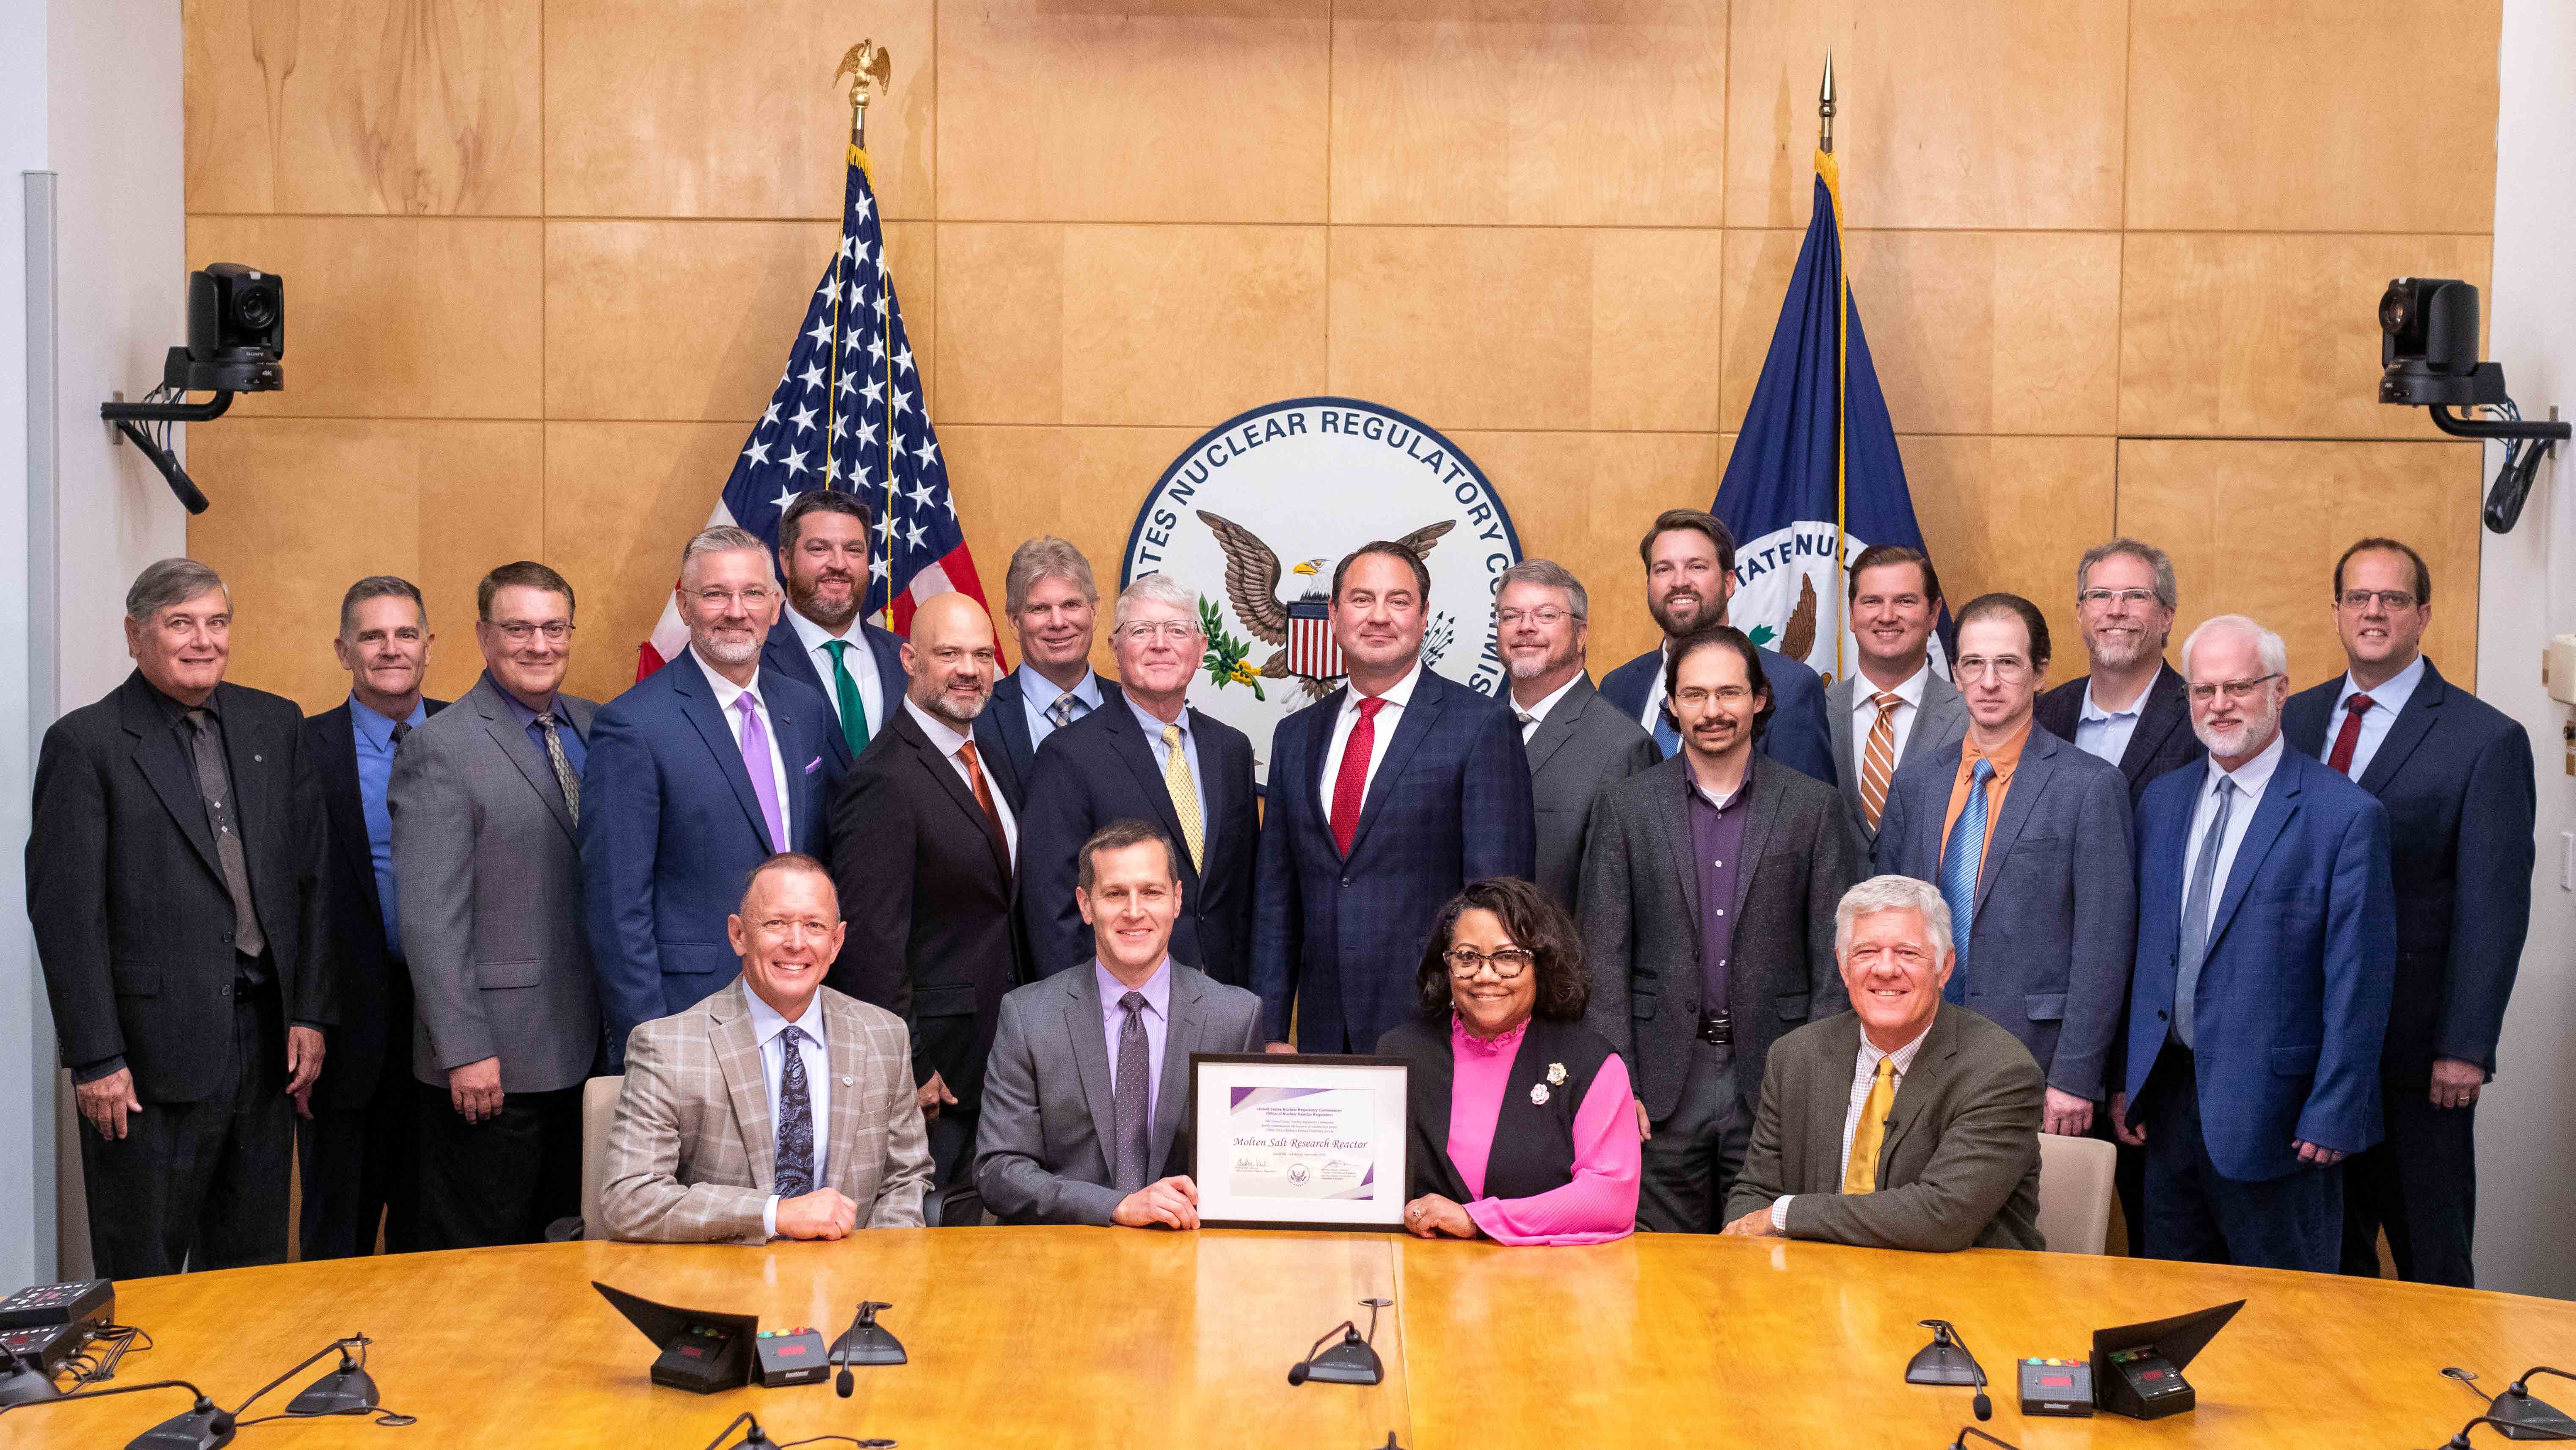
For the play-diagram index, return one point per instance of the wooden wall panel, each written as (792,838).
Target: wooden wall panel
(364,106)
(1051,112)
(1968,113)
(303,508)
(392,316)
(2312,115)
(1971,332)
(684,115)
(2254,528)
(1507,112)
(2267,334)
(2013,514)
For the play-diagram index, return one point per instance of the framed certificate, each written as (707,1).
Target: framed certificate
(1286,1141)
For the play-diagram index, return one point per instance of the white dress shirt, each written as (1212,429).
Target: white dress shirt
(945,739)
(1038,695)
(1654,710)
(859,659)
(1864,1077)
(1381,732)
(2385,702)
(1533,716)
(726,693)
(766,1025)
(2250,779)
(1865,711)
(2104,734)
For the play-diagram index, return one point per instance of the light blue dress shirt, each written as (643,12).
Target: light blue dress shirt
(375,742)
(2103,734)
(1189,753)
(2385,702)
(1037,692)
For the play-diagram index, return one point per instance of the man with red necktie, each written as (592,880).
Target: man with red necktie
(1385,798)
(2456,777)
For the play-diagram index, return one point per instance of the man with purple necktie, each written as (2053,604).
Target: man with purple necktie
(695,776)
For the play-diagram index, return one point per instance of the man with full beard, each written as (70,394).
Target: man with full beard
(1578,742)
(2130,710)
(819,638)
(923,845)
(2267,952)
(1690,577)
(696,775)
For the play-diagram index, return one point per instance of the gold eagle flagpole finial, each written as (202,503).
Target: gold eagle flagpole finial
(871,72)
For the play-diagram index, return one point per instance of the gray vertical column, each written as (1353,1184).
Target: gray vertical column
(33,1107)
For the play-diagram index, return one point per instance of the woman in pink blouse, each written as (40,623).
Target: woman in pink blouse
(1521,1129)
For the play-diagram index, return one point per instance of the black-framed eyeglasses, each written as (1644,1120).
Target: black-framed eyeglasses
(1508,963)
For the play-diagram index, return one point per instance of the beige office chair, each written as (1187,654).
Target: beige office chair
(2075,1193)
(598,1110)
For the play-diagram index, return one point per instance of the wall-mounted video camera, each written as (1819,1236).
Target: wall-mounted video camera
(236,344)
(2428,356)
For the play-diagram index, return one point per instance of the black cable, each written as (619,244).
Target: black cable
(2461,1440)
(358,1342)
(819,1439)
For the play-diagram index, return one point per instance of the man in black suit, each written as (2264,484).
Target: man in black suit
(2130,710)
(2456,776)
(819,637)
(1153,759)
(1054,608)
(355,1150)
(923,838)
(174,879)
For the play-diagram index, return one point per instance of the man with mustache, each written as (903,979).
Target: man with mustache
(696,775)
(2455,774)
(1690,576)
(2267,945)
(819,639)
(1053,608)
(923,845)
(1578,742)
(2130,710)
(1709,888)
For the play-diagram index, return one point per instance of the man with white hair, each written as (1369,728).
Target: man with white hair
(1053,608)
(1152,759)
(696,775)
(2267,946)
(1905,1123)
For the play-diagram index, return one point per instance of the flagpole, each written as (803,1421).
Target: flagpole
(870,68)
(1832,172)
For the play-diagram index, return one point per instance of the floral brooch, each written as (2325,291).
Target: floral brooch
(1538,1093)
(1556,1074)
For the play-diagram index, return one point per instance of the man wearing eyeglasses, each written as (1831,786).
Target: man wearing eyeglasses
(696,775)
(2455,774)
(2267,945)
(484,797)
(2027,838)
(2130,710)
(1578,742)
(1149,757)
(1709,889)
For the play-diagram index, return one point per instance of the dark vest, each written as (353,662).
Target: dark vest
(1533,1142)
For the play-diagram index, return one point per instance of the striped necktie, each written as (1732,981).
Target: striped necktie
(1878,757)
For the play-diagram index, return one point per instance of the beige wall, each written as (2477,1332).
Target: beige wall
(2116,257)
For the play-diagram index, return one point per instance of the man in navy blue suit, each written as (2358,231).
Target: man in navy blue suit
(819,639)
(1385,798)
(695,776)
(2455,774)
(2267,943)
(1690,576)
(1054,609)
(1150,757)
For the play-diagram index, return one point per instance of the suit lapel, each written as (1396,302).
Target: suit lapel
(1838,713)
(2408,731)
(247,761)
(2280,802)
(2030,779)
(746,1084)
(1411,724)
(1940,699)
(1127,740)
(167,764)
(1211,778)
(958,792)
(783,656)
(1320,719)
(1172,1095)
(1674,822)
(843,1034)
(698,703)
(2163,714)
(1914,1095)
(345,805)
(1091,1055)
(1558,727)
(512,741)
(1760,788)
(1830,1087)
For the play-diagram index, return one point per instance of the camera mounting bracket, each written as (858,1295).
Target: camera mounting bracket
(124,416)
(2526,440)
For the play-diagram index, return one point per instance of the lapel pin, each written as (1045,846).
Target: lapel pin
(1538,1094)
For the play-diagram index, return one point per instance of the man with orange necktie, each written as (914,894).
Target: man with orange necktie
(1898,707)
(1386,797)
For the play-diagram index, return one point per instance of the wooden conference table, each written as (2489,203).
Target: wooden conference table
(1102,1337)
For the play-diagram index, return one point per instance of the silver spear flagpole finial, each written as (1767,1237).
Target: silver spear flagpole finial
(1825,109)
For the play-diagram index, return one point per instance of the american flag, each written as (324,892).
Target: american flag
(848,415)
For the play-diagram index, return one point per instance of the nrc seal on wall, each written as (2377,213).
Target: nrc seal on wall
(1255,514)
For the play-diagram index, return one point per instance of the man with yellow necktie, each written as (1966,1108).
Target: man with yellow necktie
(1906,1123)
(1149,758)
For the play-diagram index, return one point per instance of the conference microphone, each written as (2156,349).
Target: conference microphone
(2520,1414)
(2511,1430)
(202,1427)
(1961,1442)
(1354,1361)
(752,1438)
(1947,1360)
(864,1342)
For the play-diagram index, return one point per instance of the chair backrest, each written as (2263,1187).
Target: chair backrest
(2075,1193)
(598,1110)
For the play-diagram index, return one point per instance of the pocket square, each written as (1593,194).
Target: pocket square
(813,765)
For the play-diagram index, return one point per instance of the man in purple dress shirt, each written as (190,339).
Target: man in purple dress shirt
(1087,1087)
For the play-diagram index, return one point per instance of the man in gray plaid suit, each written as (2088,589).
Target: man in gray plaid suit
(777,1108)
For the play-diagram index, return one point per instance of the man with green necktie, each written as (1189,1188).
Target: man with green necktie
(819,637)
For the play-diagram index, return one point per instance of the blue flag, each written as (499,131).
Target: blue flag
(1815,478)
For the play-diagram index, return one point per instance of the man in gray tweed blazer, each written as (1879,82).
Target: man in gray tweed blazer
(776,1108)
(1578,742)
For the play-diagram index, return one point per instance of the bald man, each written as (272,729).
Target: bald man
(923,844)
